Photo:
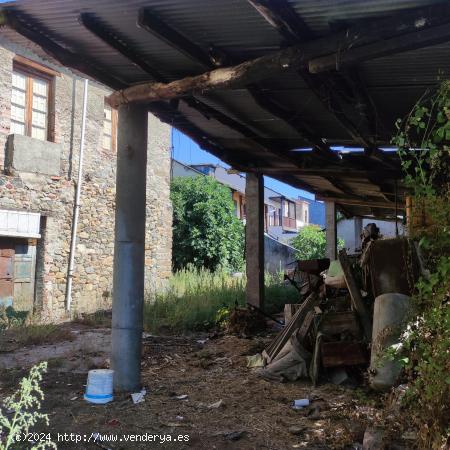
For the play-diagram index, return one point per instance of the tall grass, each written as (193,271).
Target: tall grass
(195,297)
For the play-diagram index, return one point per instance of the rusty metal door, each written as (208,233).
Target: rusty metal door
(6,272)
(24,274)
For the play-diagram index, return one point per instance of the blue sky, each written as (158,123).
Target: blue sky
(188,152)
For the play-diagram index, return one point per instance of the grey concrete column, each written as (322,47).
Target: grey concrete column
(254,239)
(331,230)
(129,247)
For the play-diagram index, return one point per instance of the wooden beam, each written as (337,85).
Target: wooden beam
(406,42)
(280,15)
(381,156)
(328,92)
(369,202)
(151,22)
(355,295)
(222,78)
(293,119)
(345,170)
(118,43)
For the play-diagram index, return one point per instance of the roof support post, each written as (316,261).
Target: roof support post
(129,248)
(254,239)
(331,230)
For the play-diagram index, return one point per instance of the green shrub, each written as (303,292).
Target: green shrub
(311,243)
(423,144)
(206,232)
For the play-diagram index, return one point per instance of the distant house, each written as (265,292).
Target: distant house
(283,216)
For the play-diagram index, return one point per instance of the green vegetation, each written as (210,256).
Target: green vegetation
(18,326)
(423,144)
(311,243)
(206,232)
(200,299)
(23,413)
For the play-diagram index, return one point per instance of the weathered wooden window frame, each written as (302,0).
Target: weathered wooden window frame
(31,69)
(113,129)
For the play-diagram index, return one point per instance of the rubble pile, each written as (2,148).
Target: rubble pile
(350,310)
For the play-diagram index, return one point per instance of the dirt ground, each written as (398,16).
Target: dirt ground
(200,390)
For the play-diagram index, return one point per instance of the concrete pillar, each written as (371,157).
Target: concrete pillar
(129,247)
(254,239)
(331,230)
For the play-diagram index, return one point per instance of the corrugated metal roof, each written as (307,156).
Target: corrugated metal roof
(235,27)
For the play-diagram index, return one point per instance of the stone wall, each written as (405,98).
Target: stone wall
(53,196)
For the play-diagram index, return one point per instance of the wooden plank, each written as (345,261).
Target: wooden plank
(334,323)
(306,326)
(280,341)
(289,310)
(343,353)
(355,295)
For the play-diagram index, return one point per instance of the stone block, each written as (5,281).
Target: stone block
(26,154)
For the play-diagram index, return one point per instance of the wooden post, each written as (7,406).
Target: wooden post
(331,230)
(129,248)
(355,295)
(254,239)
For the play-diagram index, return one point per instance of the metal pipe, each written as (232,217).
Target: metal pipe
(76,210)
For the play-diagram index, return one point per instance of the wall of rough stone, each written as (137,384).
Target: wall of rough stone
(53,196)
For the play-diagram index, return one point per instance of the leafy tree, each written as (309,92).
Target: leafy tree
(206,232)
(311,243)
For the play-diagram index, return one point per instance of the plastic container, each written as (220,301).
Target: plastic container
(99,387)
(300,403)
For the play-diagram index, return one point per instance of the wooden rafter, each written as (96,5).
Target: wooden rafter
(151,22)
(369,201)
(410,41)
(281,16)
(118,43)
(293,119)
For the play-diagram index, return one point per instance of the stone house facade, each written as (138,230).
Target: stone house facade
(40,127)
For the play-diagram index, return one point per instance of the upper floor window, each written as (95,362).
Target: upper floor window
(109,128)
(30,100)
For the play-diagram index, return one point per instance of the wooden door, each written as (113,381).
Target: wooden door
(6,272)
(24,274)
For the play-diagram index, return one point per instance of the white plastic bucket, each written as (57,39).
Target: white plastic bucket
(99,387)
